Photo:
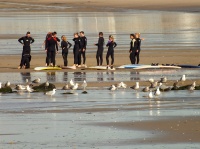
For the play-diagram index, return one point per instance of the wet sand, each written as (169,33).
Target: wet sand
(121,58)
(95,5)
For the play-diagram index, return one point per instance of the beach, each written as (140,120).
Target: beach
(101,118)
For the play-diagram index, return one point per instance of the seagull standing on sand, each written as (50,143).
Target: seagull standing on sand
(183,78)
(65,87)
(151,80)
(136,86)
(146,89)
(112,88)
(192,86)
(122,85)
(157,92)
(71,82)
(150,95)
(154,84)
(51,93)
(84,85)
(7,84)
(163,80)
(20,87)
(29,89)
(36,80)
(75,87)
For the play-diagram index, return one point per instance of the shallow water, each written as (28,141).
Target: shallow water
(99,76)
(38,121)
(161,30)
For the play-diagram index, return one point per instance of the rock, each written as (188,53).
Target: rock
(7,89)
(43,88)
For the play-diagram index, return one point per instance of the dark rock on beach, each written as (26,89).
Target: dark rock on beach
(43,88)
(7,89)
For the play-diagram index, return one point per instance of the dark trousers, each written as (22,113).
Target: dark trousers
(83,55)
(79,58)
(25,61)
(132,57)
(76,56)
(138,57)
(51,58)
(64,55)
(110,54)
(99,57)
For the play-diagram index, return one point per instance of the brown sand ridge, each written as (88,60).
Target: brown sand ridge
(96,5)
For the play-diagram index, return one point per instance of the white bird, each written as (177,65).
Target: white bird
(157,92)
(150,94)
(136,86)
(71,82)
(194,84)
(0,85)
(7,84)
(154,84)
(75,87)
(183,78)
(84,85)
(122,85)
(112,88)
(51,93)
(36,80)
(20,87)
(26,81)
(29,89)
(151,80)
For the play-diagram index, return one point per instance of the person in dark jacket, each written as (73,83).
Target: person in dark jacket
(77,48)
(138,40)
(131,51)
(110,53)
(51,49)
(83,49)
(26,41)
(100,48)
(65,45)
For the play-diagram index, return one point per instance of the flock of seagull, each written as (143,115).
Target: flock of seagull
(154,89)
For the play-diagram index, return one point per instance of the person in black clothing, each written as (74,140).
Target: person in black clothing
(26,41)
(99,54)
(51,49)
(49,34)
(131,51)
(83,48)
(111,45)
(77,48)
(138,40)
(65,45)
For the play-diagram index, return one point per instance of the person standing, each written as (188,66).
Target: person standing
(26,41)
(138,40)
(51,49)
(132,50)
(110,53)
(65,45)
(83,48)
(100,48)
(77,48)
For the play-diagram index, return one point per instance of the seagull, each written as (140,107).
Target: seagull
(154,84)
(71,82)
(27,81)
(7,84)
(183,78)
(192,86)
(163,80)
(46,85)
(65,87)
(51,93)
(175,85)
(151,80)
(84,85)
(146,89)
(150,94)
(157,92)
(20,87)
(36,80)
(0,85)
(135,87)
(29,89)
(121,85)
(75,87)
(112,88)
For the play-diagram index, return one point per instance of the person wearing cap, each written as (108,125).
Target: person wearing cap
(26,41)
(110,53)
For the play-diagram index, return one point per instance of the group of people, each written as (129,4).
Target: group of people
(52,42)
